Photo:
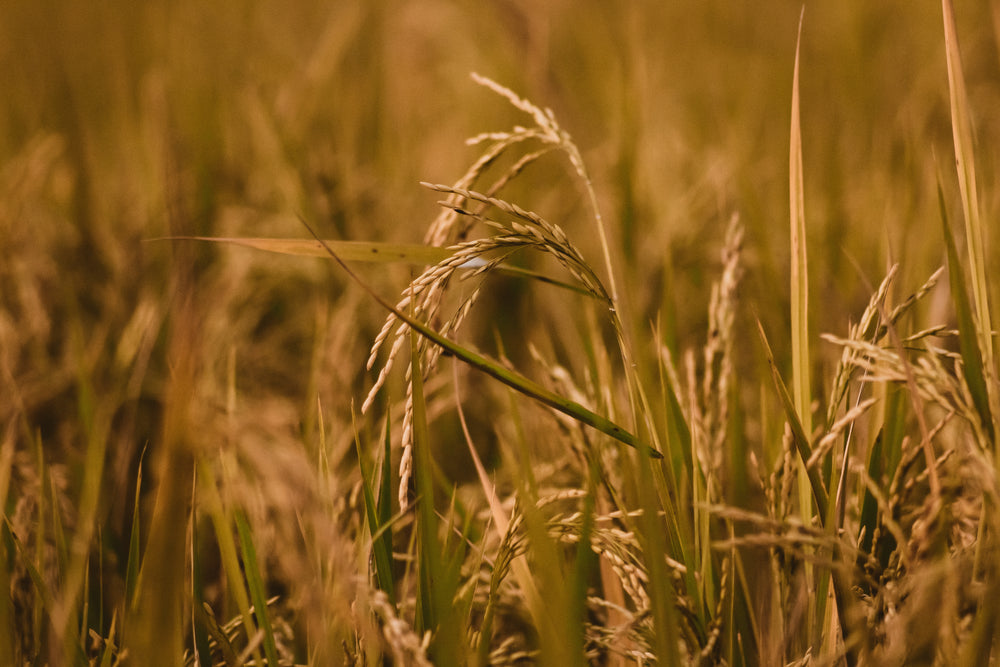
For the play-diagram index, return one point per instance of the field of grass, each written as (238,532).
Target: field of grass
(706,375)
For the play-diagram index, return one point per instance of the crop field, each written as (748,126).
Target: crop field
(499,333)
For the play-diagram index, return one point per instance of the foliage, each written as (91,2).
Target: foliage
(617,438)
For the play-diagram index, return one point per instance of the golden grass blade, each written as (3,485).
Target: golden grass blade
(351,251)
(365,251)
(799,277)
(799,264)
(961,125)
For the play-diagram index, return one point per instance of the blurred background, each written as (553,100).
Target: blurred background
(124,122)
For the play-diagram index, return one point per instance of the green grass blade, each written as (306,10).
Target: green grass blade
(110,649)
(896,414)
(435,595)
(508,377)
(200,630)
(256,585)
(678,431)
(381,551)
(227,545)
(135,542)
(968,342)
(384,507)
(961,124)
(428,564)
(798,432)
(662,596)
(451,643)
(868,519)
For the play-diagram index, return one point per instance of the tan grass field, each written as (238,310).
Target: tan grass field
(639,333)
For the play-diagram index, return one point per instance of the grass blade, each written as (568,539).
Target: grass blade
(227,546)
(384,507)
(366,251)
(497,371)
(798,432)
(256,585)
(200,631)
(801,394)
(868,518)
(135,542)
(968,341)
(841,584)
(110,649)
(799,264)
(436,592)
(428,563)
(381,541)
(351,251)
(961,124)
(799,276)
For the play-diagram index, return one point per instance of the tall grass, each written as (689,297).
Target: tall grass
(596,427)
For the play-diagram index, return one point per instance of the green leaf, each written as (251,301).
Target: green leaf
(868,519)
(135,542)
(256,586)
(583,570)
(201,628)
(798,432)
(968,342)
(108,653)
(385,485)
(380,552)
(212,502)
(435,594)
(975,229)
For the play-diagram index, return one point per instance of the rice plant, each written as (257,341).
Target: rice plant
(526,457)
